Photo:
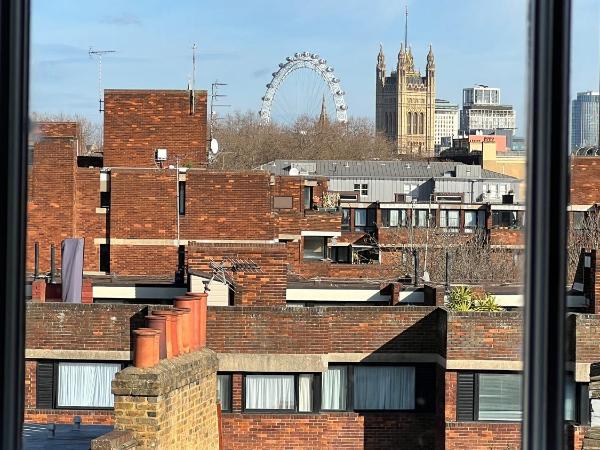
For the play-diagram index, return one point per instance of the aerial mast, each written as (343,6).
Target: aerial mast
(98,55)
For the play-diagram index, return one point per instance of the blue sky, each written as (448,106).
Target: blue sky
(241,42)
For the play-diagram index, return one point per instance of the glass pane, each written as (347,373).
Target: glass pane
(334,388)
(269,392)
(224,391)
(500,397)
(314,247)
(85,384)
(360,217)
(384,387)
(305,392)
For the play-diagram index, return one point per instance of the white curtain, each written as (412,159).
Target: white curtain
(384,387)
(269,392)
(305,392)
(500,397)
(333,388)
(570,398)
(393,217)
(86,384)
(224,391)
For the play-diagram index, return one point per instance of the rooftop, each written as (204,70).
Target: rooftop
(369,169)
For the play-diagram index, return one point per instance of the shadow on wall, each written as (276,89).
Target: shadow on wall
(138,320)
(419,428)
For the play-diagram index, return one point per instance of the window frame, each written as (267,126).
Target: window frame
(315,394)
(425,378)
(230,389)
(55,363)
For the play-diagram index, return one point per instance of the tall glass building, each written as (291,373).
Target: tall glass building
(584,120)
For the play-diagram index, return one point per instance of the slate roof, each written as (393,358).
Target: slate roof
(371,169)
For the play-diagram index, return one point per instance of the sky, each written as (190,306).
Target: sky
(241,42)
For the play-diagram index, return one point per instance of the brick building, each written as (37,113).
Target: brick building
(375,377)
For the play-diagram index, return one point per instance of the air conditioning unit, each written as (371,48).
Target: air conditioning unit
(160,154)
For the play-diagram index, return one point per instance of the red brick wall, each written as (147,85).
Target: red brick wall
(483,436)
(88,223)
(264,287)
(137,122)
(587,330)
(500,236)
(30,384)
(323,330)
(482,335)
(58,326)
(51,201)
(144,260)
(370,431)
(585,180)
(228,205)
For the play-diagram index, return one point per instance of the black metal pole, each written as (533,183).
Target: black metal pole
(14,83)
(416,267)
(52,263)
(36,269)
(547,192)
(447,271)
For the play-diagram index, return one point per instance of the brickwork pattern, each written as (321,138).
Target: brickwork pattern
(263,287)
(483,436)
(51,196)
(369,431)
(322,330)
(474,335)
(171,406)
(137,122)
(585,180)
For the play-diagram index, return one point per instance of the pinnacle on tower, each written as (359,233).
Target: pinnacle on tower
(323,117)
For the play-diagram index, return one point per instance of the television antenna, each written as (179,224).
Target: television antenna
(214,99)
(98,55)
(193,92)
(221,271)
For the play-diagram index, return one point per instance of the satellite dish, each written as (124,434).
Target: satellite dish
(214,146)
(294,171)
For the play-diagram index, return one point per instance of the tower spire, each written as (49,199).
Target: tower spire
(406,27)
(323,118)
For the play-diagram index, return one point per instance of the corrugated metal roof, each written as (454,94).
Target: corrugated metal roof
(370,169)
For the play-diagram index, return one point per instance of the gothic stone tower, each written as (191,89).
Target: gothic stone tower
(405,103)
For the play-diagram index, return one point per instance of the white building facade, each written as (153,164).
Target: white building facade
(447,120)
(482,111)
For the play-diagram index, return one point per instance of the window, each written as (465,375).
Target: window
(85,385)
(384,387)
(362,189)
(269,392)
(308,197)
(411,189)
(421,218)
(334,385)
(474,219)
(579,218)
(450,220)
(360,219)
(505,219)
(105,199)
(499,397)
(182,198)
(315,247)
(377,387)
(490,396)
(104,258)
(279,392)
(393,217)
(345,219)
(224,391)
